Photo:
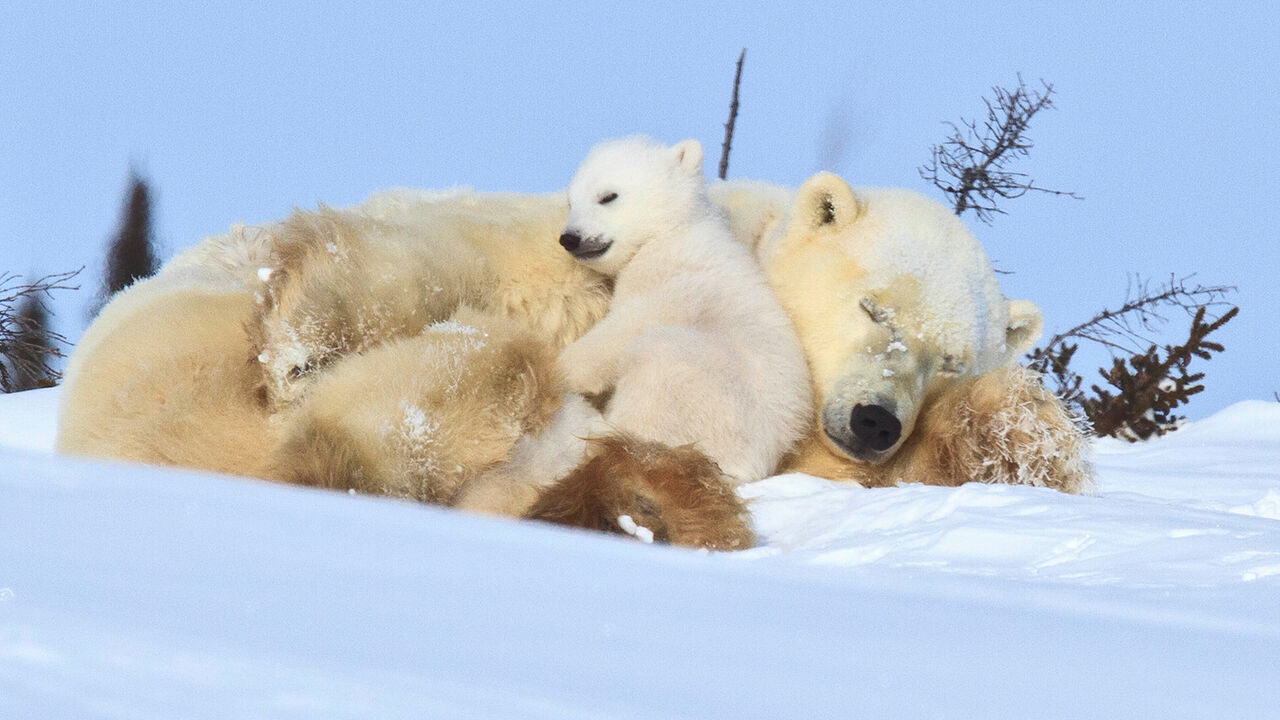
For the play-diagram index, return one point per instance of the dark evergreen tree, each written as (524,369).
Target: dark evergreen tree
(131,255)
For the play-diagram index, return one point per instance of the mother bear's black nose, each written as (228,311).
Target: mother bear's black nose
(875,426)
(570,241)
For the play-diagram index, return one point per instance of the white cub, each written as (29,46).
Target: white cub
(694,348)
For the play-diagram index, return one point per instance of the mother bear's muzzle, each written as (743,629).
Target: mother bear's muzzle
(867,430)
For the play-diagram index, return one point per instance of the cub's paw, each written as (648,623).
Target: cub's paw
(651,492)
(583,372)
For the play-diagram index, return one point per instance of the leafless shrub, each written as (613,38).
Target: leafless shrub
(972,165)
(1145,391)
(834,146)
(27,345)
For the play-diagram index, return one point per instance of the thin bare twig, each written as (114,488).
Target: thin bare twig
(970,166)
(1125,329)
(26,344)
(733,117)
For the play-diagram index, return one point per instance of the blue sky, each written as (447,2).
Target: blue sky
(1166,123)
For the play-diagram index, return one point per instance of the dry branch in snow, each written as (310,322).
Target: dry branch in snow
(27,345)
(972,165)
(733,118)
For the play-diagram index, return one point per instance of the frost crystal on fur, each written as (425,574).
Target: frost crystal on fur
(454,327)
(414,437)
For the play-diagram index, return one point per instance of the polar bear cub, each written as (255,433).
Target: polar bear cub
(694,347)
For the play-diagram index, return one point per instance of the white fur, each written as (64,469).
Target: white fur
(694,347)
(893,298)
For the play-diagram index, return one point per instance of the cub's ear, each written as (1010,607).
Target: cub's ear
(689,156)
(826,202)
(1025,325)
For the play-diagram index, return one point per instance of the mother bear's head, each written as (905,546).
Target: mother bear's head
(893,298)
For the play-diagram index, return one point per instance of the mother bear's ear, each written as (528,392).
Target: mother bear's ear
(1025,325)
(826,202)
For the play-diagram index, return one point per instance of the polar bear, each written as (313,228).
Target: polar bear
(912,346)
(237,350)
(340,282)
(423,416)
(689,304)
(694,348)
(206,364)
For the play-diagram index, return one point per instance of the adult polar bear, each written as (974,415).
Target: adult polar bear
(168,373)
(912,346)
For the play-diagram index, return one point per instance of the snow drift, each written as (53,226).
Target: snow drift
(139,592)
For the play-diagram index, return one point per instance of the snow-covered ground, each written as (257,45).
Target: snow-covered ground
(138,592)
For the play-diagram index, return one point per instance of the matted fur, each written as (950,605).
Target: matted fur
(535,463)
(163,374)
(999,427)
(344,281)
(677,493)
(419,417)
(1002,427)
(156,376)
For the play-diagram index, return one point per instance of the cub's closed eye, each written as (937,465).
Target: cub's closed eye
(608,198)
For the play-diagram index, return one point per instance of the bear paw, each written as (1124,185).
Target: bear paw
(999,427)
(651,492)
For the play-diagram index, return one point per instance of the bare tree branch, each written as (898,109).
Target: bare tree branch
(971,165)
(1125,329)
(26,344)
(834,144)
(1148,386)
(733,117)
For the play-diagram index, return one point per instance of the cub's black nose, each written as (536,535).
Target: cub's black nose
(875,426)
(570,242)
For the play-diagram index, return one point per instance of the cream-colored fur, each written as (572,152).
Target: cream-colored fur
(897,306)
(999,427)
(420,417)
(344,281)
(229,335)
(694,348)
(168,373)
(536,462)
(163,375)
(186,399)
